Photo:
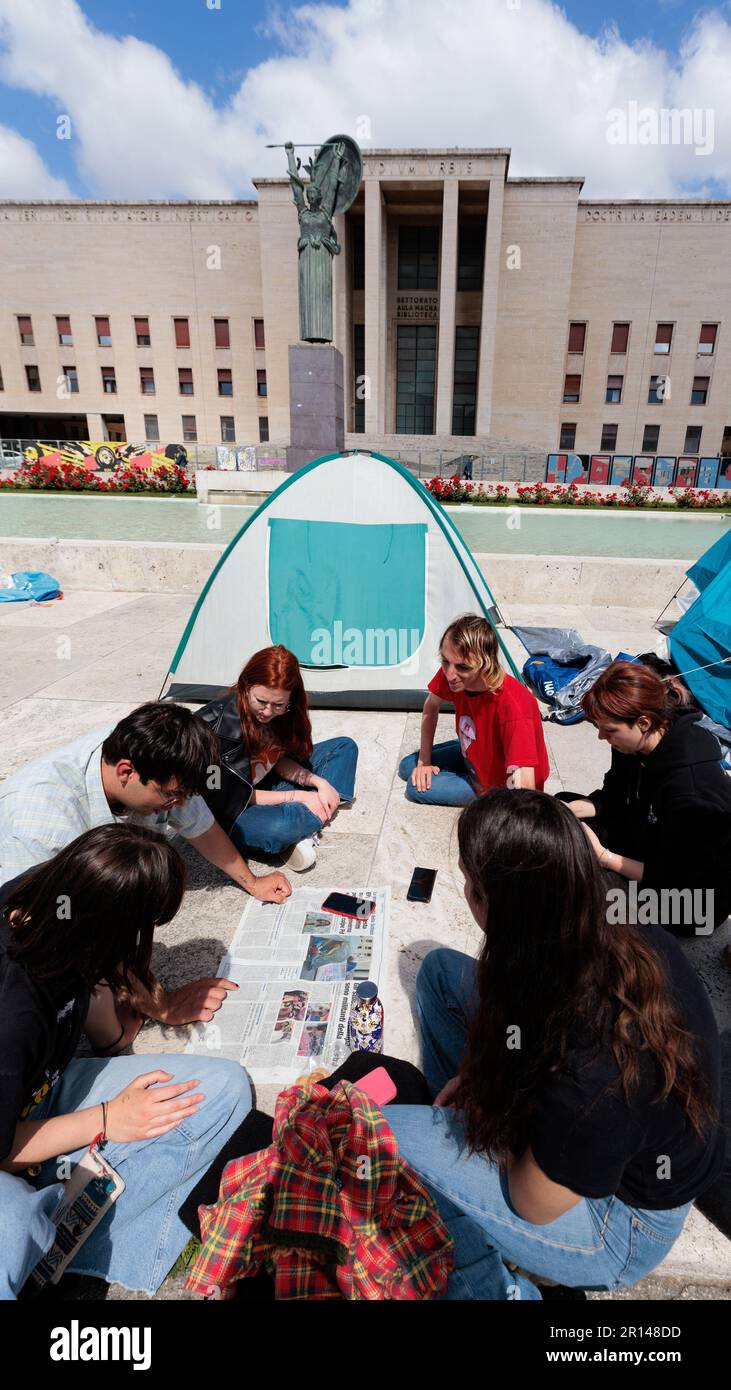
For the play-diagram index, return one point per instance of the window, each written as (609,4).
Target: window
(614,390)
(263,429)
(225,382)
(72,379)
(358,378)
(109,380)
(142,334)
(464,400)
(609,438)
(190,431)
(707,340)
(470,255)
(568,437)
(620,337)
(103,334)
(357,243)
(2,384)
(699,394)
(571,389)
(651,439)
(658,388)
(63,328)
(663,337)
(152,429)
(228,429)
(147,381)
(33,378)
(221,335)
(416,349)
(185,381)
(692,443)
(182,333)
(577,337)
(418,255)
(261,382)
(258,333)
(25,329)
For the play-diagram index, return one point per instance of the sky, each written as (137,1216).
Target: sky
(179,98)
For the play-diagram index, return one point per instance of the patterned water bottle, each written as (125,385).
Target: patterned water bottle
(365,1030)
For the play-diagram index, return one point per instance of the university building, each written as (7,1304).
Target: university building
(474,311)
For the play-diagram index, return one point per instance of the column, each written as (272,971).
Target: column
(447,307)
(342,320)
(374,300)
(490,287)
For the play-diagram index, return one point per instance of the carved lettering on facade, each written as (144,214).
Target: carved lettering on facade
(85,213)
(417,307)
(628,215)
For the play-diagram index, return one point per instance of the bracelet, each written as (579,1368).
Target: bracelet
(101,1137)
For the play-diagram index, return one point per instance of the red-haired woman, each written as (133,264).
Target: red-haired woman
(264,730)
(663,816)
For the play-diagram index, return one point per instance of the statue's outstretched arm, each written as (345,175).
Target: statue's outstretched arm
(294,176)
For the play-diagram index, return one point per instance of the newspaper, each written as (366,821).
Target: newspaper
(296,967)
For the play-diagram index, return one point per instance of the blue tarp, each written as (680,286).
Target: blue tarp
(30,584)
(702,637)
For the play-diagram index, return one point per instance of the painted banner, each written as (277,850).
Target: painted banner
(599,465)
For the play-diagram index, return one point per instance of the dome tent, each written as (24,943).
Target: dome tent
(354,567)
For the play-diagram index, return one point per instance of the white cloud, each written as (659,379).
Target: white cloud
(22,171)
(425,72)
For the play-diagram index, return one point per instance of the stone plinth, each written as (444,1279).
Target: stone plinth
(316,403)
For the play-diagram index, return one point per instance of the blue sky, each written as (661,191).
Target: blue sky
(292,83)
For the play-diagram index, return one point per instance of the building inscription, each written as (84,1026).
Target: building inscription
(629,215)
(417,307)
(124,214)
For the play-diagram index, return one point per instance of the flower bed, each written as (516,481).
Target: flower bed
(154,480)
(633,496)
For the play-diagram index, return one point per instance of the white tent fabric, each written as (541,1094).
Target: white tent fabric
(352,565)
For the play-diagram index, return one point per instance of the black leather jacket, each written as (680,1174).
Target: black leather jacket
(228,801)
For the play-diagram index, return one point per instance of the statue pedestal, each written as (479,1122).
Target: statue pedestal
(316,403)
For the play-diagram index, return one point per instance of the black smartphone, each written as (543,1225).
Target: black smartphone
(346,905)
(421,886)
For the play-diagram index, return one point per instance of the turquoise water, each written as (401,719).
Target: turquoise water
(648,534)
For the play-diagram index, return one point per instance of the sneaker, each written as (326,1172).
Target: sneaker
(301,856)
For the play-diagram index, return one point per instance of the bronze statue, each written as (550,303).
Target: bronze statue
(334,180)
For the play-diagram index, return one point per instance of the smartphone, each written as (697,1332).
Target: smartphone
(346,905)
(421,886)
(377,1085)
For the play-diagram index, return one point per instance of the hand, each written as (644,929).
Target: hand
(329,797)
(271,888)
(289,145)
(422,775)
(144,1111)
(445,1095)
(594,841)
(581,808)
(314,803)
(196,1002)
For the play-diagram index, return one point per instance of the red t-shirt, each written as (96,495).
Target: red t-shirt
(497,731)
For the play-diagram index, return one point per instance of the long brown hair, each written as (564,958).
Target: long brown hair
(278,669)
(626,691)
(91,911)
(553,966)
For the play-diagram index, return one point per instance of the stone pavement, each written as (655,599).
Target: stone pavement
(81,663)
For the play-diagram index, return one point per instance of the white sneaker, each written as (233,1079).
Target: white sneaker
(301,856)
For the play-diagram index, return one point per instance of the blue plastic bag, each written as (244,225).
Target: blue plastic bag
(31,584)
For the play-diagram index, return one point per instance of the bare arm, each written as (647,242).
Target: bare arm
(215,846)
(429,717)
(37,1140)
(535,1197)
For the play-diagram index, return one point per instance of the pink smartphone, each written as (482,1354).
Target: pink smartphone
(377,1085)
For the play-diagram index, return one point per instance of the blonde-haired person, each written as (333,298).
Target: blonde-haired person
(499,732)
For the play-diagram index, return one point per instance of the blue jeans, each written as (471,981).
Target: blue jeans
(140,1238)
(450,787)
(600,1243)
(274,828)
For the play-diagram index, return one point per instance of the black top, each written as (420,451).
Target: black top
(40,1027)
(672,810)
(588,1138)
(230,798)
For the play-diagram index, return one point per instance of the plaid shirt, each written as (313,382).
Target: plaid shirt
(47,803)
(330,1208)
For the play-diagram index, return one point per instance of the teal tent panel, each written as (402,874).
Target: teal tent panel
(703,638)
(711,563)
(343,594)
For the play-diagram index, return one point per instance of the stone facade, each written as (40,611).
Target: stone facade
(548,259)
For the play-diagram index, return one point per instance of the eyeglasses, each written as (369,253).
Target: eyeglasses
(170,795)
(276,707)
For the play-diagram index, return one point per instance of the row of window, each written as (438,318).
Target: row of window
(147,380)
(190,429)
(181,331)
(663,338)
(650,439)
(659,390)
(418,255)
